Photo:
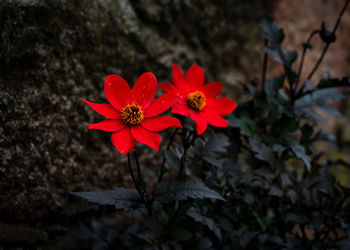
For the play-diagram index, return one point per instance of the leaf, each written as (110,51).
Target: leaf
(215,143)
(283,56)
(328,108)
(312,98)
(149,237)
(121,198)
(289,57)
(247,238)
(180,234)
(271,30)
(275,191)
(194,214)
(244,123)
(271,88)
(204,243)
(292,194)
(299,152)
(263,152)
(170,189)
(265,172)
(285,180)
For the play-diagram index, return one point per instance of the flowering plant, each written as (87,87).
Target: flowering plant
(132,113)
(255,181)
(198,100)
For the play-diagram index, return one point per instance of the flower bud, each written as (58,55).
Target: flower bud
(327,35)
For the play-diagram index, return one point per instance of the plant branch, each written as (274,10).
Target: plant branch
(167,148)
(140,192)
(138,167)
(187,142)
(306,46)
(133,177)
(263,76)
(327,45)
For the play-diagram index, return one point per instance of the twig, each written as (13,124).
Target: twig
(263,76)
(187,144)
(327,45)
(133,178)
(141,194)
(163,162)
(138,167)
(306,45)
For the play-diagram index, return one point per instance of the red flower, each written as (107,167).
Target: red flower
(131,113)
(198,100)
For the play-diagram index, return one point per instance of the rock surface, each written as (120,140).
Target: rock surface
(53,53)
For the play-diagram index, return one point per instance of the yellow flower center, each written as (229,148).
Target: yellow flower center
(196,100)
(132,115)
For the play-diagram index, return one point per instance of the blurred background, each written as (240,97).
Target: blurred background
(54,53)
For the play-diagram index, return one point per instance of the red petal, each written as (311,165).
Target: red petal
(106,110)
(171,89)
(160,105)
(117,91)
(214,119)
(201,123)
(181,109)
(123,140)
(144,90)
(221,106)
(160,123)
(178,78)
(168,87)
(212,89)
(144,136)
(195,77)
(107,125)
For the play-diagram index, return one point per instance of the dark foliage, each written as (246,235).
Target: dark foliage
(259,184)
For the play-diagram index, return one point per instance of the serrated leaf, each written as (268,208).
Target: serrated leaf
(276,35)
(311,99)
(244,123)
(262,151)
(194,214)
(171,189)
(285,180)
(328,108)
(276,53)
(217,143)
(289,57)
(275,191)
(299,152)
(271,88)
(121,198)
(271,30)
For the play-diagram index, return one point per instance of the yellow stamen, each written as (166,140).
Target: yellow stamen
(196,100)
(132,115)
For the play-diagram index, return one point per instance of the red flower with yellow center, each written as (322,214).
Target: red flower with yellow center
(198,100)
(132,112)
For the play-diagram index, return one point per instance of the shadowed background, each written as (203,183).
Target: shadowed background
(53,53)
